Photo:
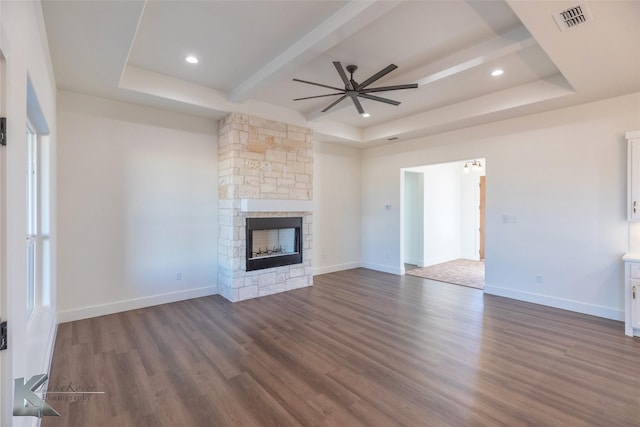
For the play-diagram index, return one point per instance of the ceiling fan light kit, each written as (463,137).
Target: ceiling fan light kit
(355,90)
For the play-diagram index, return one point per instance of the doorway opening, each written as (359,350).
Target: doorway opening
(443,222)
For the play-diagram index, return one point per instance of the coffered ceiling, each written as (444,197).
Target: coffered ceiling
(249,52)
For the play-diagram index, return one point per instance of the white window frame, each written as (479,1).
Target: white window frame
(32,218)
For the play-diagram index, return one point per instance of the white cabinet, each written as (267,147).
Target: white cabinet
(635,304)
(632,260)
(633,176)
(632,294)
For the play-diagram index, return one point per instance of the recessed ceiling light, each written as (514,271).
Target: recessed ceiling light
(365,115)
(191,59)
(497,72)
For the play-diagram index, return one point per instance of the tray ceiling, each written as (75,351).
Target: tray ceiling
(249,51)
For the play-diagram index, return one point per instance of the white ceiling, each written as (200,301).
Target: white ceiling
(250,51)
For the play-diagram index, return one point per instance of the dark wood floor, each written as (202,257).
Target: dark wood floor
(359,348)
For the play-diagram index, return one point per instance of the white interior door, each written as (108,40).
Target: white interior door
(27,353)
(3,240)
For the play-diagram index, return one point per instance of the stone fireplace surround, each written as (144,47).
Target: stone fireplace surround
(265,169)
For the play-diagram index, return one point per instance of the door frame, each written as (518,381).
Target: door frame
(479,199)
(483,210)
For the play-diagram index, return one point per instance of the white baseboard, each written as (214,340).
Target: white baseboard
(471,256)
(565,304)
(335,267)
(132,304)
(51,343)
(413,261)
(384,268)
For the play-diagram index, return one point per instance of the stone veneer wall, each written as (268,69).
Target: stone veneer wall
(261,159)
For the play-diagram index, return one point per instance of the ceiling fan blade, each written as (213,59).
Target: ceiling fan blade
(385,88)
(343,75)
(317,84)
(318,96)
(389,68)
(377,98)
(356,102)
(333,104)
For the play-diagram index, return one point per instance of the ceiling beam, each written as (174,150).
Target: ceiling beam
(354,16)
(489,50)
(454,114)
(161,85)
(214,101)
(506,44)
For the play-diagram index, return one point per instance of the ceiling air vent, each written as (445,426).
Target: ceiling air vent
(573,16)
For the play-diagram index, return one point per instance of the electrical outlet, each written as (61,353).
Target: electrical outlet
(538,278)
(178,276)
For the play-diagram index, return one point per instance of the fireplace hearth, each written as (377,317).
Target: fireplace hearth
(273,242)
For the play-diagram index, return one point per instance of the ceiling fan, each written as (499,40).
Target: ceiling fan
(355,90)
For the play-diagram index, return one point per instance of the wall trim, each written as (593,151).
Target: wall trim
(132,304)
(565,304)
(51,344)
(414,261)
(383,268)
(470,255)
(336,267)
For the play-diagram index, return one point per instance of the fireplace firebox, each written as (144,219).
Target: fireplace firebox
(273,242)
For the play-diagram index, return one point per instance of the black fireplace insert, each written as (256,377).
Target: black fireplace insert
(273,242)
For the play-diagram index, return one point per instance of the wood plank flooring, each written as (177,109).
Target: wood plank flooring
(359,348)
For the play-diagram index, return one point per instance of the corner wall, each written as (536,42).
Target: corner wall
(137,207)
(442,213)
(562,174)
(414,218)
(336,210)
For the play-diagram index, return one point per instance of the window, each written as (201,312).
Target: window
(32,218)
(38,211)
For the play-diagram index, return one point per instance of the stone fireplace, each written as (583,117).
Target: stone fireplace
(265,186)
